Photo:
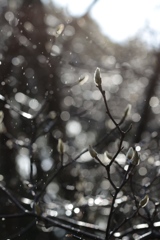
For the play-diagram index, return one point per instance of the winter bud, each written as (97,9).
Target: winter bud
(132,157)
(60,146)
(108,155)
(59,29)
(1,116)
(127,111)
(92,152)
(144,201)
(83,79)
(97,77)
(130,154)
(135,159)
(38,209)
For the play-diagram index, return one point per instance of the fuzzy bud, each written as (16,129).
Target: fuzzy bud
(59,29)
(132,157)
(83,79)
(144,201)
(38,209)
(108,155)
(127,112)
(130,154)
(97,77)
(1,116)
(60,146)
(135,159)
(92,152)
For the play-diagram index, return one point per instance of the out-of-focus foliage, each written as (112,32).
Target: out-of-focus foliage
(47,93)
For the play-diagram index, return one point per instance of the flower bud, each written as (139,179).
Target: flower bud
(132,157)
(135,159)
(38,209)
(92,152)
(83,79)
(1,116)
(108,155)
(97,77)
(59,29)
(60,146)
(144,201)
(130,154)
(127,112)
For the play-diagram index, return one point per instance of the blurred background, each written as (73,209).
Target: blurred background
(49,51)
(119,20)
